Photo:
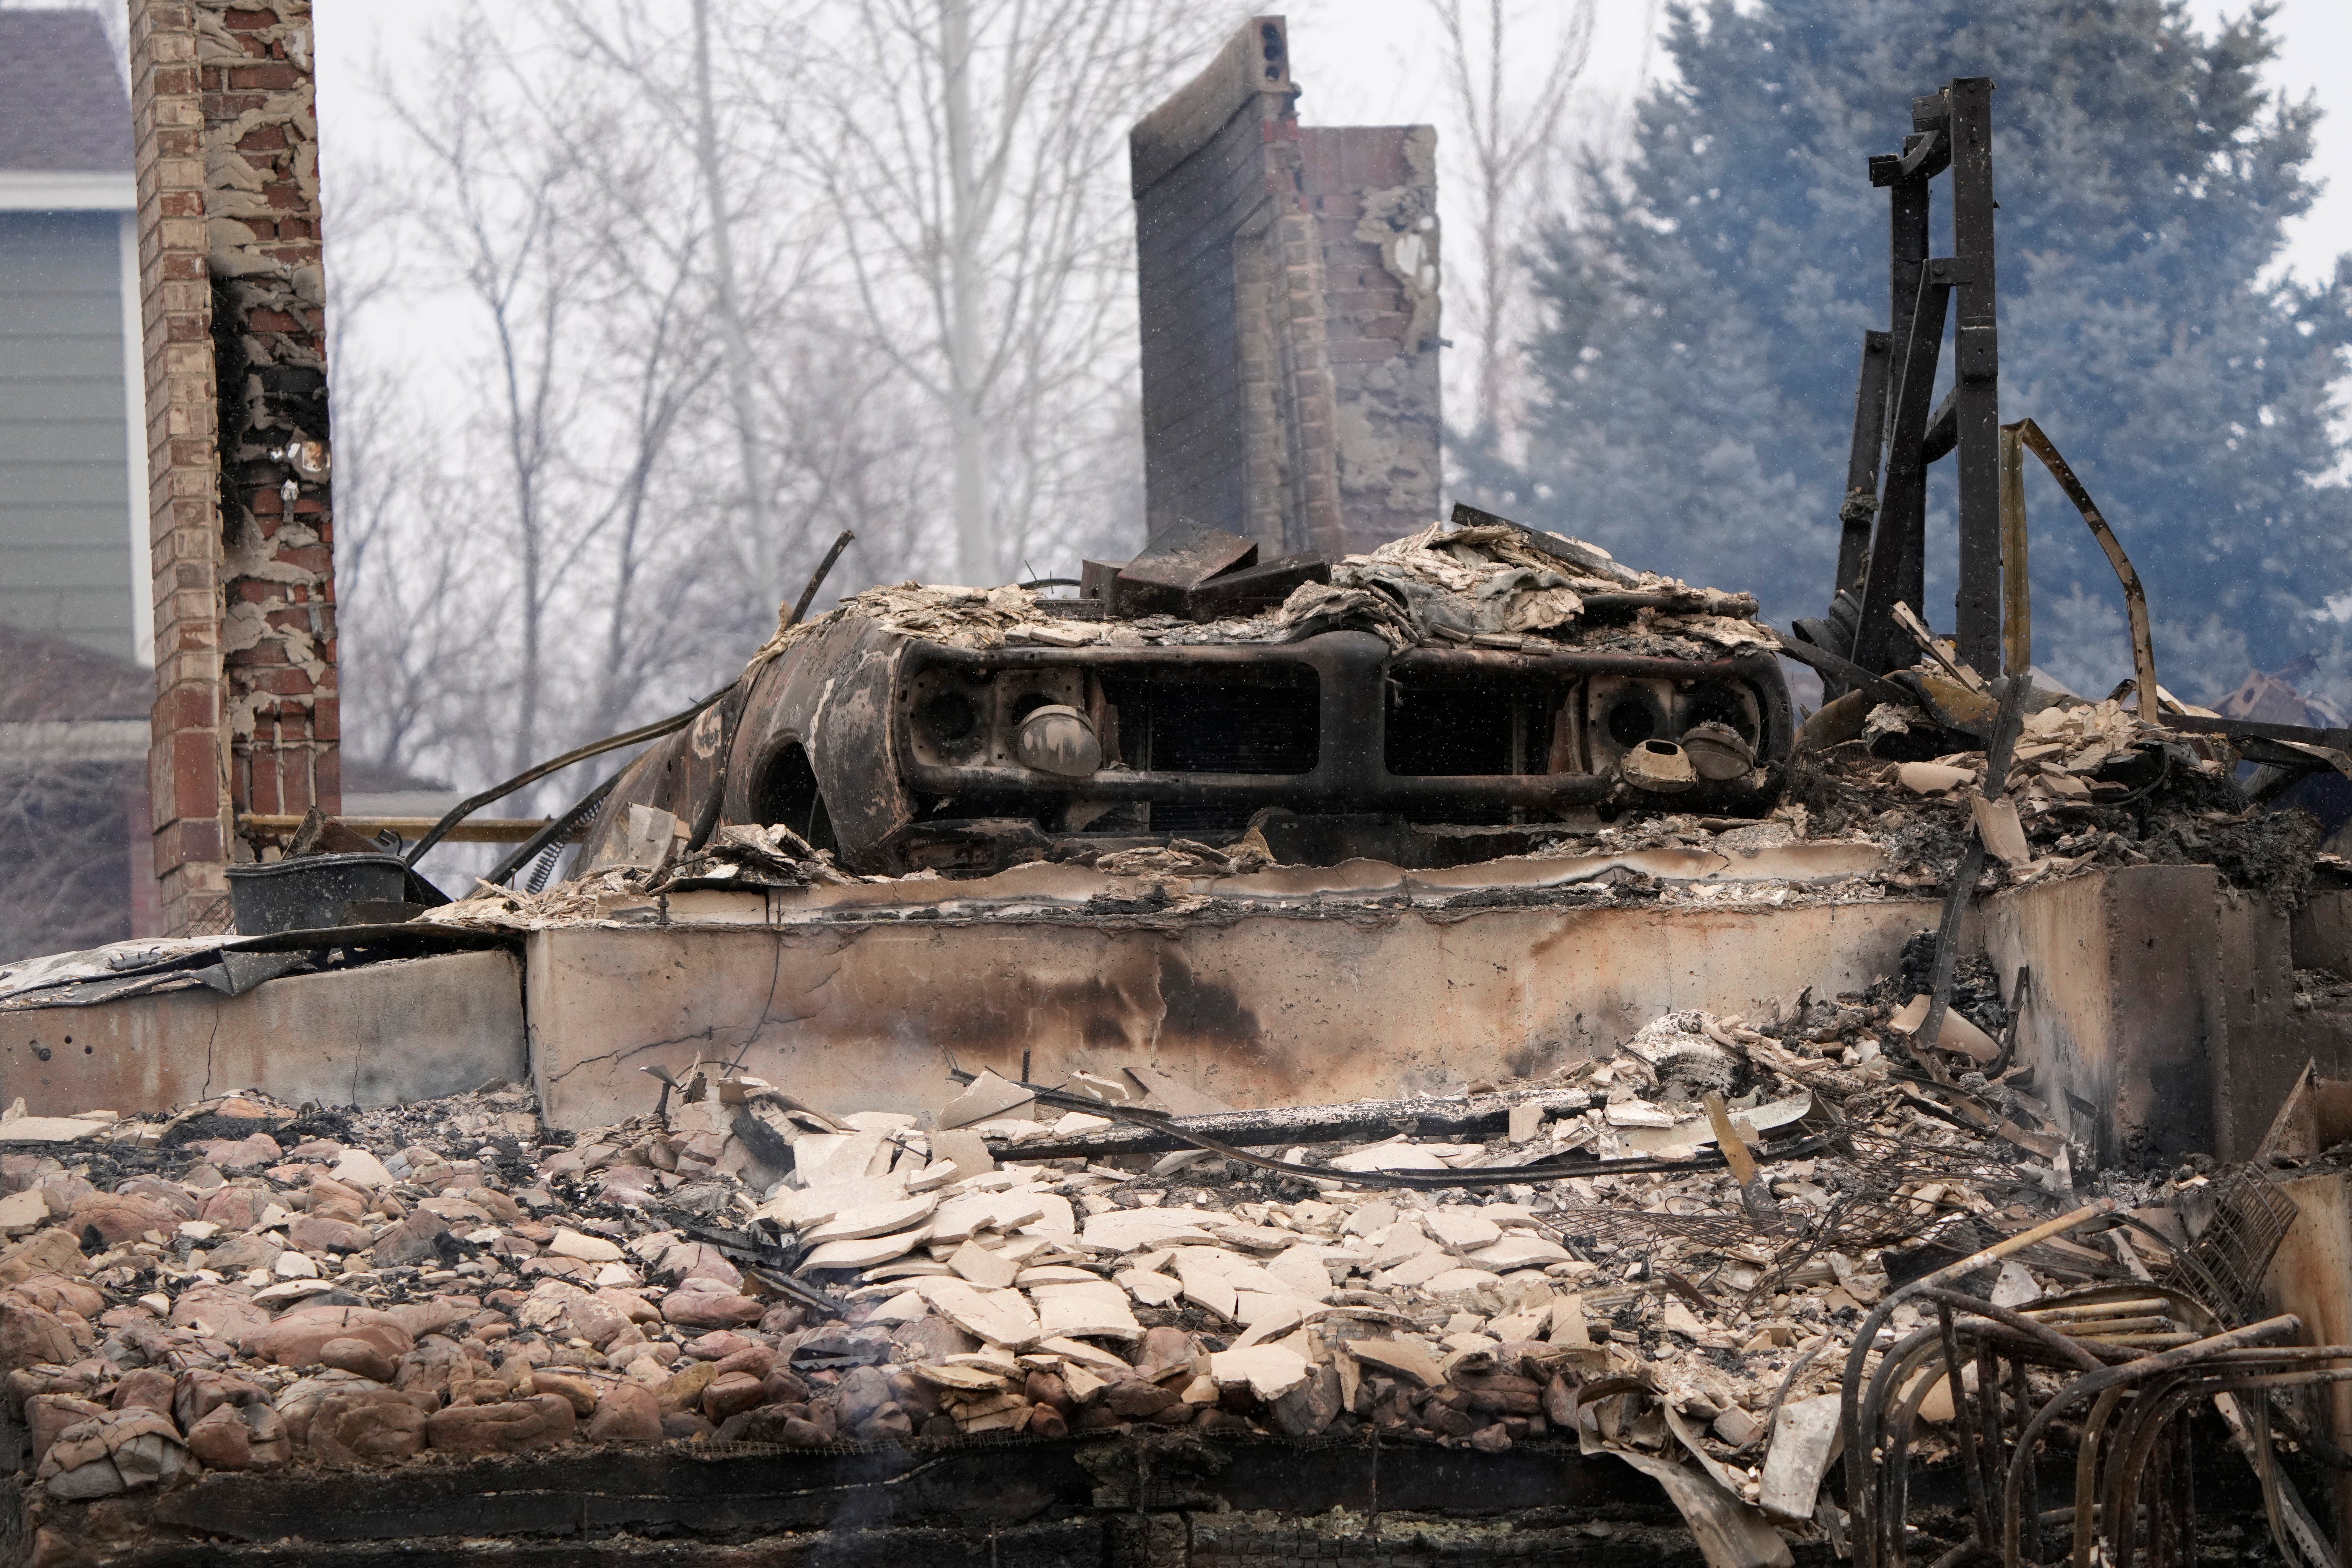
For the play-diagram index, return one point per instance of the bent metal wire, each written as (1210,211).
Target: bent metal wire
(2133,1363)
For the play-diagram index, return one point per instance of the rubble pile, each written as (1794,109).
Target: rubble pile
(246,1285)
(2090,784)
(1499,586)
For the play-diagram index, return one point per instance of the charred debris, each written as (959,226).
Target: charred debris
(1829,1280)
(1722,1258)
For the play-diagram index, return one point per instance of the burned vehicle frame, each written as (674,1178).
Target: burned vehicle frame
(898,752)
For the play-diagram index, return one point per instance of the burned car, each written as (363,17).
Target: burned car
(1474,690)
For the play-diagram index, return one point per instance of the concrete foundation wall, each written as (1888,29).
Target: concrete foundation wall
(2126,1012)
(2164,1019)
(1257,1009)
(382,1034)
(2323,932)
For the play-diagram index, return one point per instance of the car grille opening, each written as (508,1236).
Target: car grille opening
(1269,724)
(1454,729)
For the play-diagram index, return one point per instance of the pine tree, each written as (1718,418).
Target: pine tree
(1704,316)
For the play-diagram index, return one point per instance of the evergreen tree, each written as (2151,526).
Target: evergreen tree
(1705,311)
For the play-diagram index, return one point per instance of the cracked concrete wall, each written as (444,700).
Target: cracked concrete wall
(382,1034)
(1258,1008)
(234,302)
(1288,283)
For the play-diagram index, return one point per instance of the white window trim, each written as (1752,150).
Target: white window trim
(134,428)
(43,190)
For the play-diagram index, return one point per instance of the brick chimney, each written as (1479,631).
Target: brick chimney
(1287,279)
(240,512)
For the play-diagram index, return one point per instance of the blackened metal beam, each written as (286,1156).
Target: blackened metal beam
(1977,366)
(1898,554)
(1860,507)
(1884,579)
(1943,428)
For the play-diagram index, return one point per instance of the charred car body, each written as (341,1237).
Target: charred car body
(1463,694)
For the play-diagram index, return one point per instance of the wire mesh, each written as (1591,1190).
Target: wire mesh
(2229,1257)
(215,918)
(1866,1210)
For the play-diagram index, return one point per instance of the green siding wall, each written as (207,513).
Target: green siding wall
(65,476)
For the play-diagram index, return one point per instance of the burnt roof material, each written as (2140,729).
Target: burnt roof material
(62,104)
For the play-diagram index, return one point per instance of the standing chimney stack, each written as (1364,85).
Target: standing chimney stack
(233,297)
(1287,277)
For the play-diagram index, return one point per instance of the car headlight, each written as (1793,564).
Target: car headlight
(1057,739)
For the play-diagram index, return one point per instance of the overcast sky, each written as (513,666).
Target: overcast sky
(1359,62)
(1368,62)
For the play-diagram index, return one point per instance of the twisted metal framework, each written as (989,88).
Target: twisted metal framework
(2139,1357)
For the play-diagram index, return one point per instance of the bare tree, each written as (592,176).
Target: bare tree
(986,229)
(725,290)
(564,227)
(505,235)
(408,631)
(1510,137)
(65,872)
(695,312)
(716,86)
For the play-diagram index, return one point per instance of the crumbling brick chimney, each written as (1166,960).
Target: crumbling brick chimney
(1287,277)
(240,514)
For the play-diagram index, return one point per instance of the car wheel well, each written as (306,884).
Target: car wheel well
(785,791)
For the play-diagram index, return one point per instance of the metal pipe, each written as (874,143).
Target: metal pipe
(2135,596)
(2130,1372)
(1849,1414)
(472,803)
(2058,1344)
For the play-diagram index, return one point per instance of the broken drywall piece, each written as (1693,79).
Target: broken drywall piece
(1806,1442)
(965,1150)
(984,1266)
(649,841)
(2003,835)
(1958,1034)
(2015,1287)
(1268,1372)
(986,1098)
(1177,1097)
(1933,778)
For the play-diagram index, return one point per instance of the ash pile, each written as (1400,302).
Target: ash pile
(1666,1256)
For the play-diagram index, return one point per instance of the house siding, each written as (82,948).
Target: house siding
(63,463)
